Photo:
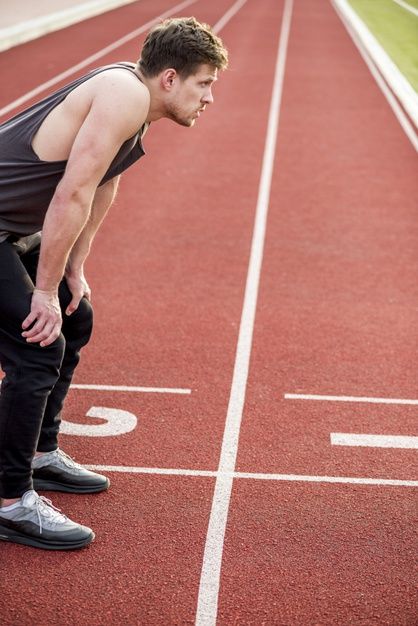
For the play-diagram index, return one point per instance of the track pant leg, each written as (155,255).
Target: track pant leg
(37,379)
(76,329)
(31,373)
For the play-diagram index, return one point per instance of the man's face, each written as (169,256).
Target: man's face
(189,97)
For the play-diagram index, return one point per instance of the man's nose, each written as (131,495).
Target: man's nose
(208,98)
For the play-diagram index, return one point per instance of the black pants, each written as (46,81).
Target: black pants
(36,379)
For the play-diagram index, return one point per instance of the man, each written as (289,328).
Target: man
(60,163)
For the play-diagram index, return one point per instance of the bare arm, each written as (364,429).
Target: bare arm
(74,271)
(97,142)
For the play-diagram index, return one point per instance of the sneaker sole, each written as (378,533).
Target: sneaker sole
(49,485)
(6,534)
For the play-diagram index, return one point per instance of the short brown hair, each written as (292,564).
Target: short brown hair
(182,43)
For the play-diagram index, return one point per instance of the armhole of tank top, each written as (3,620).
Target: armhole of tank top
(33,130)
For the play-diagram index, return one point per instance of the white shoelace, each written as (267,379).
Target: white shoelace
(67,460)
(44,507)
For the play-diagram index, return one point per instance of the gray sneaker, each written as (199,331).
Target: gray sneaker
(56,471)
(36,522)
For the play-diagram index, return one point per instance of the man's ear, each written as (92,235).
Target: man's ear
(168,78)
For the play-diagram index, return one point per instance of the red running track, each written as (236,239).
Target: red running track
(335,316)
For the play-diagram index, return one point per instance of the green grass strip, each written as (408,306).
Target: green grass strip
(396,29)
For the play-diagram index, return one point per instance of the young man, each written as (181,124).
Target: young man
(60,162)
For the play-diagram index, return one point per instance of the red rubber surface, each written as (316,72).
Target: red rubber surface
(341,556)
(143,569)
(336,315)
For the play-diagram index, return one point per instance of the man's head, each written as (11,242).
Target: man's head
(181,43)
(184,57)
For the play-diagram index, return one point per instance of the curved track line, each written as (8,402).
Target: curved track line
(212,560)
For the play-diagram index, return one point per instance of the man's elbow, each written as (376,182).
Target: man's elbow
(74,195)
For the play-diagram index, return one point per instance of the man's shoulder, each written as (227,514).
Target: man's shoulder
(116,80)
(119,90)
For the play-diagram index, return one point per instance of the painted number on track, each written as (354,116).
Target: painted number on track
(118,422)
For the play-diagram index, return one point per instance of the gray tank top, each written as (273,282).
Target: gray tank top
(27,183)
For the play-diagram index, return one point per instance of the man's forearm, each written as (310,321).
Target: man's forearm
(103,199)
(64,221)
(69,227)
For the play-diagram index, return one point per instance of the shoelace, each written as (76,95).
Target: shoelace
(47,509)
(67,460)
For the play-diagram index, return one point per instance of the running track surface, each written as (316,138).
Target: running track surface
(335,315)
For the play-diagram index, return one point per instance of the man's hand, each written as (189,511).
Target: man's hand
(45,315)
(79,287)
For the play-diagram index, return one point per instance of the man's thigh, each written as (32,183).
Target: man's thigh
(18,269)
(16,288)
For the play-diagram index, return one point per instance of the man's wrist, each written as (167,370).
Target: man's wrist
(74,269)
(46,292)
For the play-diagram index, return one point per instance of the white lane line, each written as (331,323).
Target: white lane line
(301,396)
(165,471)
(28,30)
(94,57)
(212,559)
(228,15)
(381,65)
(374,441)
(344,480)
(132,389)
(117,44)
(407,6)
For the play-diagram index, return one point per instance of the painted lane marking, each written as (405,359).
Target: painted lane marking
(374,441)
(131,389)
(117,44)
(228,15)
(343,480)
(407,6)
(118,422)
(300,396)
(94,57)
(212,560)
(351,439)
(16,34)
(380,65)
(164,471)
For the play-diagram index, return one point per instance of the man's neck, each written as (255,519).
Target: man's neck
(156,108)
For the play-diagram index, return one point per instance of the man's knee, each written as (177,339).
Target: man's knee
(52,354)
(78,326)
(32,365)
